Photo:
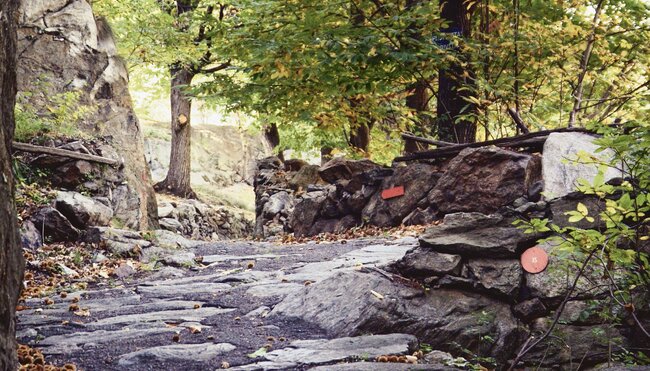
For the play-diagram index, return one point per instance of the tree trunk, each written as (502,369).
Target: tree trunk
(272,135)
(450,99)
(11,260)
(417,101)
(177,181)
(360,137)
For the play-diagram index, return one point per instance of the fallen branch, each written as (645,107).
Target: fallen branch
(521,141)
(438,143)
(24,147)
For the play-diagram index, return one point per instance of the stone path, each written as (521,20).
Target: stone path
(205,319)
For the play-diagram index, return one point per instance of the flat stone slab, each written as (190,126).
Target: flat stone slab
(313,352)
(169,316)
(375,255)
(196,288)
(375,366)
(274,289)
(210,259)
(180,352)
(69,343)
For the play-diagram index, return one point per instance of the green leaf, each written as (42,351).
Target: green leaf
(582,209)
(576,218)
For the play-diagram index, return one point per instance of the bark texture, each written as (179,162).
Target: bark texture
(417,101)
(177,181)
(11,261)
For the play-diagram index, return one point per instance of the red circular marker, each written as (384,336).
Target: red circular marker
(534,260)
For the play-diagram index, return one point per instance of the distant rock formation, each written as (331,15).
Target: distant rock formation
(62,47)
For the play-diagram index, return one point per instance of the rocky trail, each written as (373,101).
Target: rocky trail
(217,316)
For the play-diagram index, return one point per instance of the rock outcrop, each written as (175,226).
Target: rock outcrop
(63,48)
(563,166)
(221,155)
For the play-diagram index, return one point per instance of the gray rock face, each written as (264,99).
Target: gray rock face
(82,211)
(66,344)
(503,277)
(484,179)
(418,179)
(555,281)
(560,206)
(56,226)
(221,155)
(354,303)
(305,212)
(475,234)
(530,309)
(561,170)
(423,262)
(30,237)
(186,352)
(120,241)
(587,344)
(64,49)
(276,203)
(313,352)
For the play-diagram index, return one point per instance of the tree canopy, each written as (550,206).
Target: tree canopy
(320,70)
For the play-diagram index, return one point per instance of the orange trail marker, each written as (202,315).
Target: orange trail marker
(392,192)
(534,260)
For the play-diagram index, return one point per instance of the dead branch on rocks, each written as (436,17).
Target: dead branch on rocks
(24,147)
(530,140)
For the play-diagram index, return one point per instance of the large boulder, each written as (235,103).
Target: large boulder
(83,211)
(477,235)
(560,167)
(417,178)
(64,49)
(484,179)
(342,168)
(423,263)
(56,227)
(355,303)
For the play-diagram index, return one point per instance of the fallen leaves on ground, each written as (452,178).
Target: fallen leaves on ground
(57,269)
(360,232)
(33,359)
(397,359)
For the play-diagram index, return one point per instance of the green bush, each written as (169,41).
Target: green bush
(60,118)
(616,251)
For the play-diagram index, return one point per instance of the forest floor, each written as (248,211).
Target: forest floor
(215,315)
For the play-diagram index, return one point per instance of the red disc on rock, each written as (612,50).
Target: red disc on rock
(534,260)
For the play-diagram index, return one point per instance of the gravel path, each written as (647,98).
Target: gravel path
(208,318)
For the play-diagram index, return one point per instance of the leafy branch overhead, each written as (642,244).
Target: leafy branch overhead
(320,70)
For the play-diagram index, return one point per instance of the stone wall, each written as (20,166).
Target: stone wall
(306,200)
(309,200)
(62,48)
